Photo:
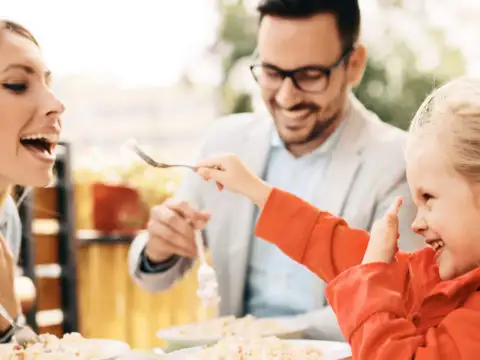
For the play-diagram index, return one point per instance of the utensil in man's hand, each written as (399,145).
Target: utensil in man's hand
(23,335)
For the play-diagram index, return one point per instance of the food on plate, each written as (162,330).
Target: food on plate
(248,326)
(232,348)
(71,346)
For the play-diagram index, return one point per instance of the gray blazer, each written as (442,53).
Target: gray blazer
(366,173)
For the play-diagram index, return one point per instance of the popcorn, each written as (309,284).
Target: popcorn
(268,348)
(248,326)
(72,346)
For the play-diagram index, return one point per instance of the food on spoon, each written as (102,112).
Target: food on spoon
(208,286)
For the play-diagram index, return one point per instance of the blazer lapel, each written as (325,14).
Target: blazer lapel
(254,151)
(340,175)
(345,162)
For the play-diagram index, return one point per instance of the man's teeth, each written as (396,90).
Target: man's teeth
(295,114)
(49,137)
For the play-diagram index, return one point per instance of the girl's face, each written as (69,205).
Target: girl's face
(448,214)
(29,114)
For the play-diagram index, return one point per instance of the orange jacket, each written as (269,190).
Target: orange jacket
(391,311)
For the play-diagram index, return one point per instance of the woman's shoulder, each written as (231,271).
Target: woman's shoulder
(9,211)
(10,225)
(9,206)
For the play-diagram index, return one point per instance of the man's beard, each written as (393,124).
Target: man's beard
(317,132)
(331,113)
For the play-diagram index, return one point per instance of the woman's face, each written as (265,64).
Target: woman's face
(29,114)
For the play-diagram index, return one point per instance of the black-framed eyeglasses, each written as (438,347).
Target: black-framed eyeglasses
(311,79)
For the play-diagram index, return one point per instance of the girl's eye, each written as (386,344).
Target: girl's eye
(426,197)
(17,88)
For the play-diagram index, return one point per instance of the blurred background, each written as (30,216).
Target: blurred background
(161,71)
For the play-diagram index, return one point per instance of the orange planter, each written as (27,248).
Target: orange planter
(117,208)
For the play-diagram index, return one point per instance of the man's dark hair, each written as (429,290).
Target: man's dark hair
(346,12)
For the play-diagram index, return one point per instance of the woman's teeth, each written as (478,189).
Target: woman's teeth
(53,138)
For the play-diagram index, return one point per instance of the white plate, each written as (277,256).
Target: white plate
(331,350)
(110,349)
(292,328)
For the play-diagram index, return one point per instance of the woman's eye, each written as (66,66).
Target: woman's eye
(18,88)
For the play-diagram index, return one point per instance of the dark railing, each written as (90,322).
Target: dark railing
(27,250)
(66,241)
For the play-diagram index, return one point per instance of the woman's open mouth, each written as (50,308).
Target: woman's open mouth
(41,146)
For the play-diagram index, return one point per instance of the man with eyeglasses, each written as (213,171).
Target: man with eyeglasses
(318,141)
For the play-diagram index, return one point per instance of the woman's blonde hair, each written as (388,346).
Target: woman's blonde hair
(3,196)
(15,28)
(451,115)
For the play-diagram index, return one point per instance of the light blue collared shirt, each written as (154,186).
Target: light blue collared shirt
(277,285)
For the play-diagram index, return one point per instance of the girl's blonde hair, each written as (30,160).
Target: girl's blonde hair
(15,28)
(451,115)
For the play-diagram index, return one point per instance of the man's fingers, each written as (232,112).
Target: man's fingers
(166,246)
(187,211)
(162,233)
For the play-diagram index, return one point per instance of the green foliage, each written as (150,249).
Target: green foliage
(243,103)
(395,106)
(396,94)
(238,34)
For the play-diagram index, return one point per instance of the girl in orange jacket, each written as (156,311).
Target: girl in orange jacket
(394,305)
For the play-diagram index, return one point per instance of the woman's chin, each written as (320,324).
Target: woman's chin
(37,180)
